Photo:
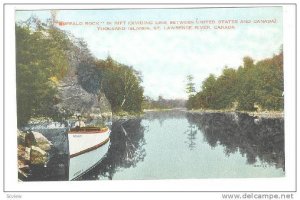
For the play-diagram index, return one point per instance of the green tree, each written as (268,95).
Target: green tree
(225,90)
(248,62)
(208,89)
(246,85)
(190,86)
(40,62)
(122,86)
(270,83)
(251,86)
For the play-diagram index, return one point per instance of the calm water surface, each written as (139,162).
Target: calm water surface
(177,145)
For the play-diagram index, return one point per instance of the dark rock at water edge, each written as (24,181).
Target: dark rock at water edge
(33,150)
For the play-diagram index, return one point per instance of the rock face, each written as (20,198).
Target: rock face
(42,142)
(38,156)
(74,99)
(75,95)
(33,149)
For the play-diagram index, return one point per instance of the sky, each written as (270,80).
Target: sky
(164,57)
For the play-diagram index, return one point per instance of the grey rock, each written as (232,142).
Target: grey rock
(74,99)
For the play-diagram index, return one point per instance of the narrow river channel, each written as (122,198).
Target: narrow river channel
(180,145)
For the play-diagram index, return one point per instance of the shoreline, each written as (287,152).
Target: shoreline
(163,109)
(262,114)
(127,116)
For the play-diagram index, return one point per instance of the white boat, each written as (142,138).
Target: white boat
(87,147)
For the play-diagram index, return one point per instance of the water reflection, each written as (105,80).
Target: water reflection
(125,151)
(241,132)
(175,140)
(191,136)
(164,115)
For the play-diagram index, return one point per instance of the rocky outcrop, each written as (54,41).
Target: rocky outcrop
(73,99)
(33,149)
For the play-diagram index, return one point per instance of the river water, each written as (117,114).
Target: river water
(179,145)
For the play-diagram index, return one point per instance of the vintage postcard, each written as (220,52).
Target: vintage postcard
(151,93)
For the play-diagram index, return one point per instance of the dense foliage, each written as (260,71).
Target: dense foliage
(251,87)
(46,54)
(41,62)
(121,85)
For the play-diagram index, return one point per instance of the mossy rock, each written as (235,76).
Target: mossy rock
(38,156)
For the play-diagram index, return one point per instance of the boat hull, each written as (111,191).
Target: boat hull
(81,164)
(87,147)
(83,141)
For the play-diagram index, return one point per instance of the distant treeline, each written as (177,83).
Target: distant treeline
(44,56)
(253,86)
(162,103)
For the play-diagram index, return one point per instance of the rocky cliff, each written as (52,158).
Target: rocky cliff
(73,99)
(79,91)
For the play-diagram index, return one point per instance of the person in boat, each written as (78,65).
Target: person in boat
(79,123)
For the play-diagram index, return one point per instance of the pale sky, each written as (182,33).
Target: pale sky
(165,58)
